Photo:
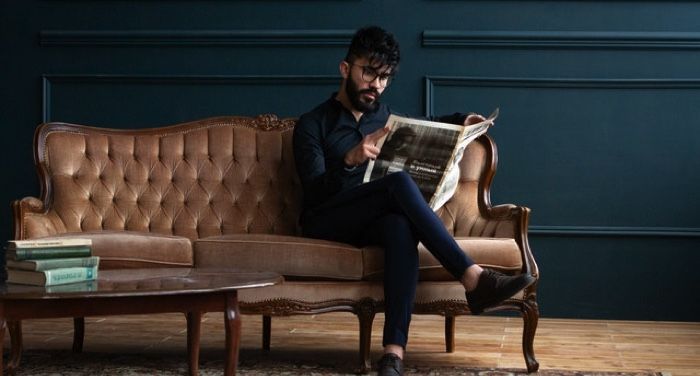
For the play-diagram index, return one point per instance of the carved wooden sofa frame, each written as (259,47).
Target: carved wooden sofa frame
(121,176)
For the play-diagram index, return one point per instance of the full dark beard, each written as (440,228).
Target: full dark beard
(355,96)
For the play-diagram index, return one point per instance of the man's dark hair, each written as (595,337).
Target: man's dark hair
(377,45)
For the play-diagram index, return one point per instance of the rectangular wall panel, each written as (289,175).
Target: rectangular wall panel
(586,152)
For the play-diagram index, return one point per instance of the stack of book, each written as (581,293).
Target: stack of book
(50,262)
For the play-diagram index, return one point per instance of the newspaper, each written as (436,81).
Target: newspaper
(429,151)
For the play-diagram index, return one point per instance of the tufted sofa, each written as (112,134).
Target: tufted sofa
(224,192)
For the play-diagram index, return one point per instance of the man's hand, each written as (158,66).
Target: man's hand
(366,149)
(473,119)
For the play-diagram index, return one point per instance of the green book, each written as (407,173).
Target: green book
(52,277)
(47,264)
(47,253)
(48,243)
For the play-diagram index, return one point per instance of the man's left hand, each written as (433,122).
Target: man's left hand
(473,119)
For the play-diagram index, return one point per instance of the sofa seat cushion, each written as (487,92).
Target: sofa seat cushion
(501,254)
(304,258)
(291,256)
(130,249)
(291,295)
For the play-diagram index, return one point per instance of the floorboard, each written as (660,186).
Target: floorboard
(488,341)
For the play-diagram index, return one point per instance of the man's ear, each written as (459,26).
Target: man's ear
(344,68)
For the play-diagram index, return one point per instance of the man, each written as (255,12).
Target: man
(332,146)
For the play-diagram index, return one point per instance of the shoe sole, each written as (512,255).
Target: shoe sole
(477,310)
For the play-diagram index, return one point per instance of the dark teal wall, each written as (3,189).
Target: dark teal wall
(599,130)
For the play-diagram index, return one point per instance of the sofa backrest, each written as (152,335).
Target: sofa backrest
(464,214)
(217,176)
(204,178)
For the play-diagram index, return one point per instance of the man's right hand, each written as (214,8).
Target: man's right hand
(367,149)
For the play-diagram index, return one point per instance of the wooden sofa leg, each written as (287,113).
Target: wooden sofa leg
(531,316)
(266,332)
(365,313)
(78,334)
(450,334)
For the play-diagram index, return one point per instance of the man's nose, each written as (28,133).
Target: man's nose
(375,83)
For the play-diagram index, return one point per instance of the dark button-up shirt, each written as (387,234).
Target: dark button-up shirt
(323,136)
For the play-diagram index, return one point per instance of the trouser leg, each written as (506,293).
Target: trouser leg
(395,234)
(429,228)
(373,209)
(345,217)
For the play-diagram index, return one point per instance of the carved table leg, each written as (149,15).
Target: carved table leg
(232,324)
(3,325)
(449,334)
(78,333)
(267,332)
(194,320)
(15,329)
(13,362)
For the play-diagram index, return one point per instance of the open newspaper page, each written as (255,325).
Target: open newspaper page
(429,151)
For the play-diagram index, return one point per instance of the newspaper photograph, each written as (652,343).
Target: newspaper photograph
(428,151)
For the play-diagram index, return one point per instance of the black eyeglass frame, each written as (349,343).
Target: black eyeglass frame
(369,72)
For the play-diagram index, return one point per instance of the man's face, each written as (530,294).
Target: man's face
(364,95)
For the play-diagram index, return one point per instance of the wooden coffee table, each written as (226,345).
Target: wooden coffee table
(192,291)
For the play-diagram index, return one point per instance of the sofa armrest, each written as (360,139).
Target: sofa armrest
(501,221)
(31,219)
(504,211)
(509,217)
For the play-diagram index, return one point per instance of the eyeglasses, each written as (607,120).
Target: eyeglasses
(370,74)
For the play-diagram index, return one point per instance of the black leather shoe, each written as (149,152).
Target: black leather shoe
(494,287)
(390,365)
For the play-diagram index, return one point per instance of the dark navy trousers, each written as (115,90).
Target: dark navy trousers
(389,212)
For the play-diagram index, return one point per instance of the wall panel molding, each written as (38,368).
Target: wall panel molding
(561,39)
(190,38)
(50,79)
(612,231)
(432,82)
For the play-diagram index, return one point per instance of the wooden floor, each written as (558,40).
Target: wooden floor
(670,347)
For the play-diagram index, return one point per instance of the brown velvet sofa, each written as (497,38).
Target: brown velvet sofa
(224,192)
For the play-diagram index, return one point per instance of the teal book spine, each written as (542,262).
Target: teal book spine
(52,277)
(56,263)
(70,275)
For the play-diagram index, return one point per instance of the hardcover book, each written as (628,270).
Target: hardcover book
(47,264)
(47,253)
(52,277)
(48,243)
